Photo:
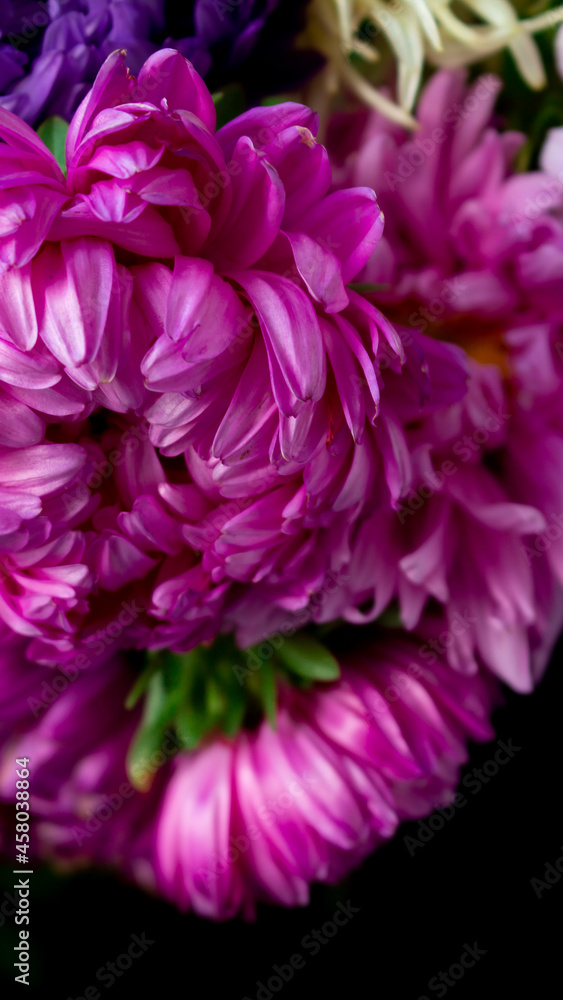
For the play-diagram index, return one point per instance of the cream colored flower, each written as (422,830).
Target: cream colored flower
(417,30)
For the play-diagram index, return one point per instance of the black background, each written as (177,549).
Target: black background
(470,883)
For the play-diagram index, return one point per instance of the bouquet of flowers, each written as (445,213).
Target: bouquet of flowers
(281,424)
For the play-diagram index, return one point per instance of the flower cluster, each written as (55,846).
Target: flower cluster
(281,487)
(199,397)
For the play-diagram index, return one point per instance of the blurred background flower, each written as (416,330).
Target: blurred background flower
(350,33)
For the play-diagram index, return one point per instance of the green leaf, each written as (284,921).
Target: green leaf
(164,696)
(191,726)
(275,99)
(53,133)
(268,692)
(307,657)
(141,756)
(364,287)
(391,617)
(229,103)
(142,682)
(149,735)
(234,715)
(234,708)
(214,700)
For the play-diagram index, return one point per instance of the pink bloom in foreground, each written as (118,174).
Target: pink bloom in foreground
(185,336)
(263,815)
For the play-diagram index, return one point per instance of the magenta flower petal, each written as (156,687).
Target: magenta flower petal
(41,469)
(117,561)
(292,335)
(167,76)
(320,270)
(256,188)
(20,427)
(263,125)
(76,280)
(112,86)
(213,434)
(18,322)
(350,224)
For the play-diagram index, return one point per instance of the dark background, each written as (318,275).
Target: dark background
(469,883)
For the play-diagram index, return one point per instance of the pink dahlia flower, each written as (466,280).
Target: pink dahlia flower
(487,500)
(256,817)
(178,336)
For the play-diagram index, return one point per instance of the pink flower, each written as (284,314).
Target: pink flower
(31,192)
(78,742)
(263,815)
(487,470)
(192,291)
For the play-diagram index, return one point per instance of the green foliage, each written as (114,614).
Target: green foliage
(229,103)
(308,658)
(365,287)
(532,112)
(205,692)
(53,133)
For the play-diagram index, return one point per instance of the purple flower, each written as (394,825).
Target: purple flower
(60,47)
(50,53)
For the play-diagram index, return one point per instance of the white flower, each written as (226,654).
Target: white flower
(417,30)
